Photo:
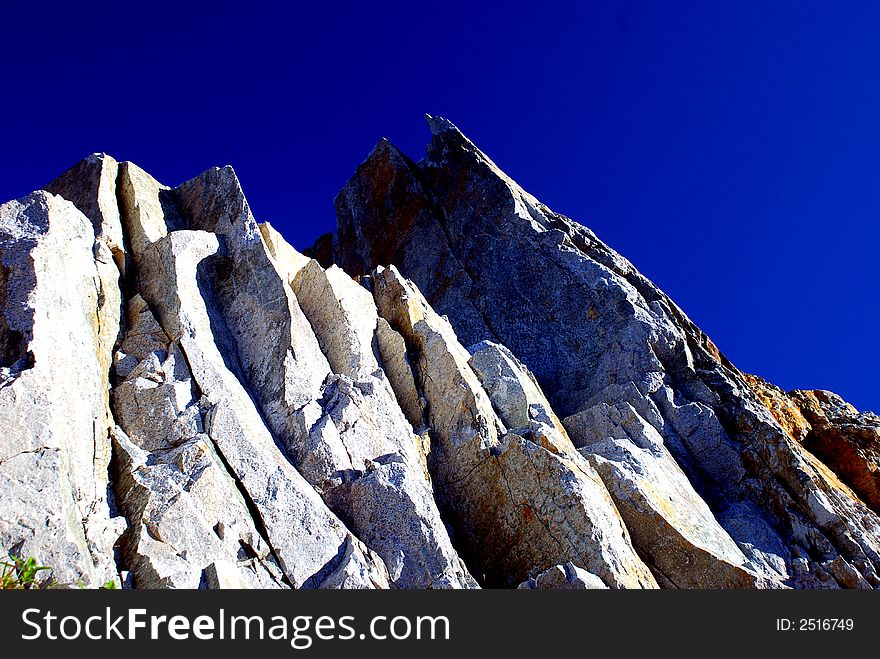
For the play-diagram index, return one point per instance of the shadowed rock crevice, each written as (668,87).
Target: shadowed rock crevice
(13,344)
(213,278)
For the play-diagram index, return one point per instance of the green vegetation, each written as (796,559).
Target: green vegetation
(20,573)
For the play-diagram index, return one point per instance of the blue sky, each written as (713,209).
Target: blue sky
(731,150)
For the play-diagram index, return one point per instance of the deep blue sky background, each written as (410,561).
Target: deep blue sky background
(731,150)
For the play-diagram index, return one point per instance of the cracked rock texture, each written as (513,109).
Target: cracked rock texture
(460,388)
(712,486)
(846,440)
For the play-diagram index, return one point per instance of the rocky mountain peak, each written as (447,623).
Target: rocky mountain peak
(460,387)
(439,125)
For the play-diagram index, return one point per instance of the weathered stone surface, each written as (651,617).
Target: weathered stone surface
(311,544)
(147,207)
(516,396)
(187,516)
(152,210)
(670,524)
(516,507)
(223,574)
(564,577)
(781,406)
(399,370)
(90,185)
(276,423)
(154,403)
(394,512)
(54,363)
(185,510)
(280,360)
(343,315)
(386,496)
(318,351)
(846,440)
(287,260)
(504,267)
(271,347)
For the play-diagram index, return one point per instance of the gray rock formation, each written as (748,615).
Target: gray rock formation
(517,504)
(312,544)
(713,491)
(386,493)
(461,389)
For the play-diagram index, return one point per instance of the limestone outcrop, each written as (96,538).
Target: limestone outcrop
(460,388)
(55,354)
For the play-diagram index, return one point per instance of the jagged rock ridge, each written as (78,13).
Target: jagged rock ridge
(483,394)
(713,490)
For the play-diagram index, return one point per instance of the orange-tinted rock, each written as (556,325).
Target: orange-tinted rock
(785,410)
(844,439)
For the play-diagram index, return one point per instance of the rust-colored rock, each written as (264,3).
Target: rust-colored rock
(845,440)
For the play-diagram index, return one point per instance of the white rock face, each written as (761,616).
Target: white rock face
(186,511)
(311,544)
(183,277)
(643,478)
(515,394)
(310,362)
(386,496)
(187,517)
(399,370)
(142,207)
(517,397)
(343,315)
(280,360)
(54,367)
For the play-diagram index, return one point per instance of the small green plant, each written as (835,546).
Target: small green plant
(110,585)
(20,573)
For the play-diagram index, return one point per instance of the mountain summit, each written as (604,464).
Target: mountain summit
(459,388)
